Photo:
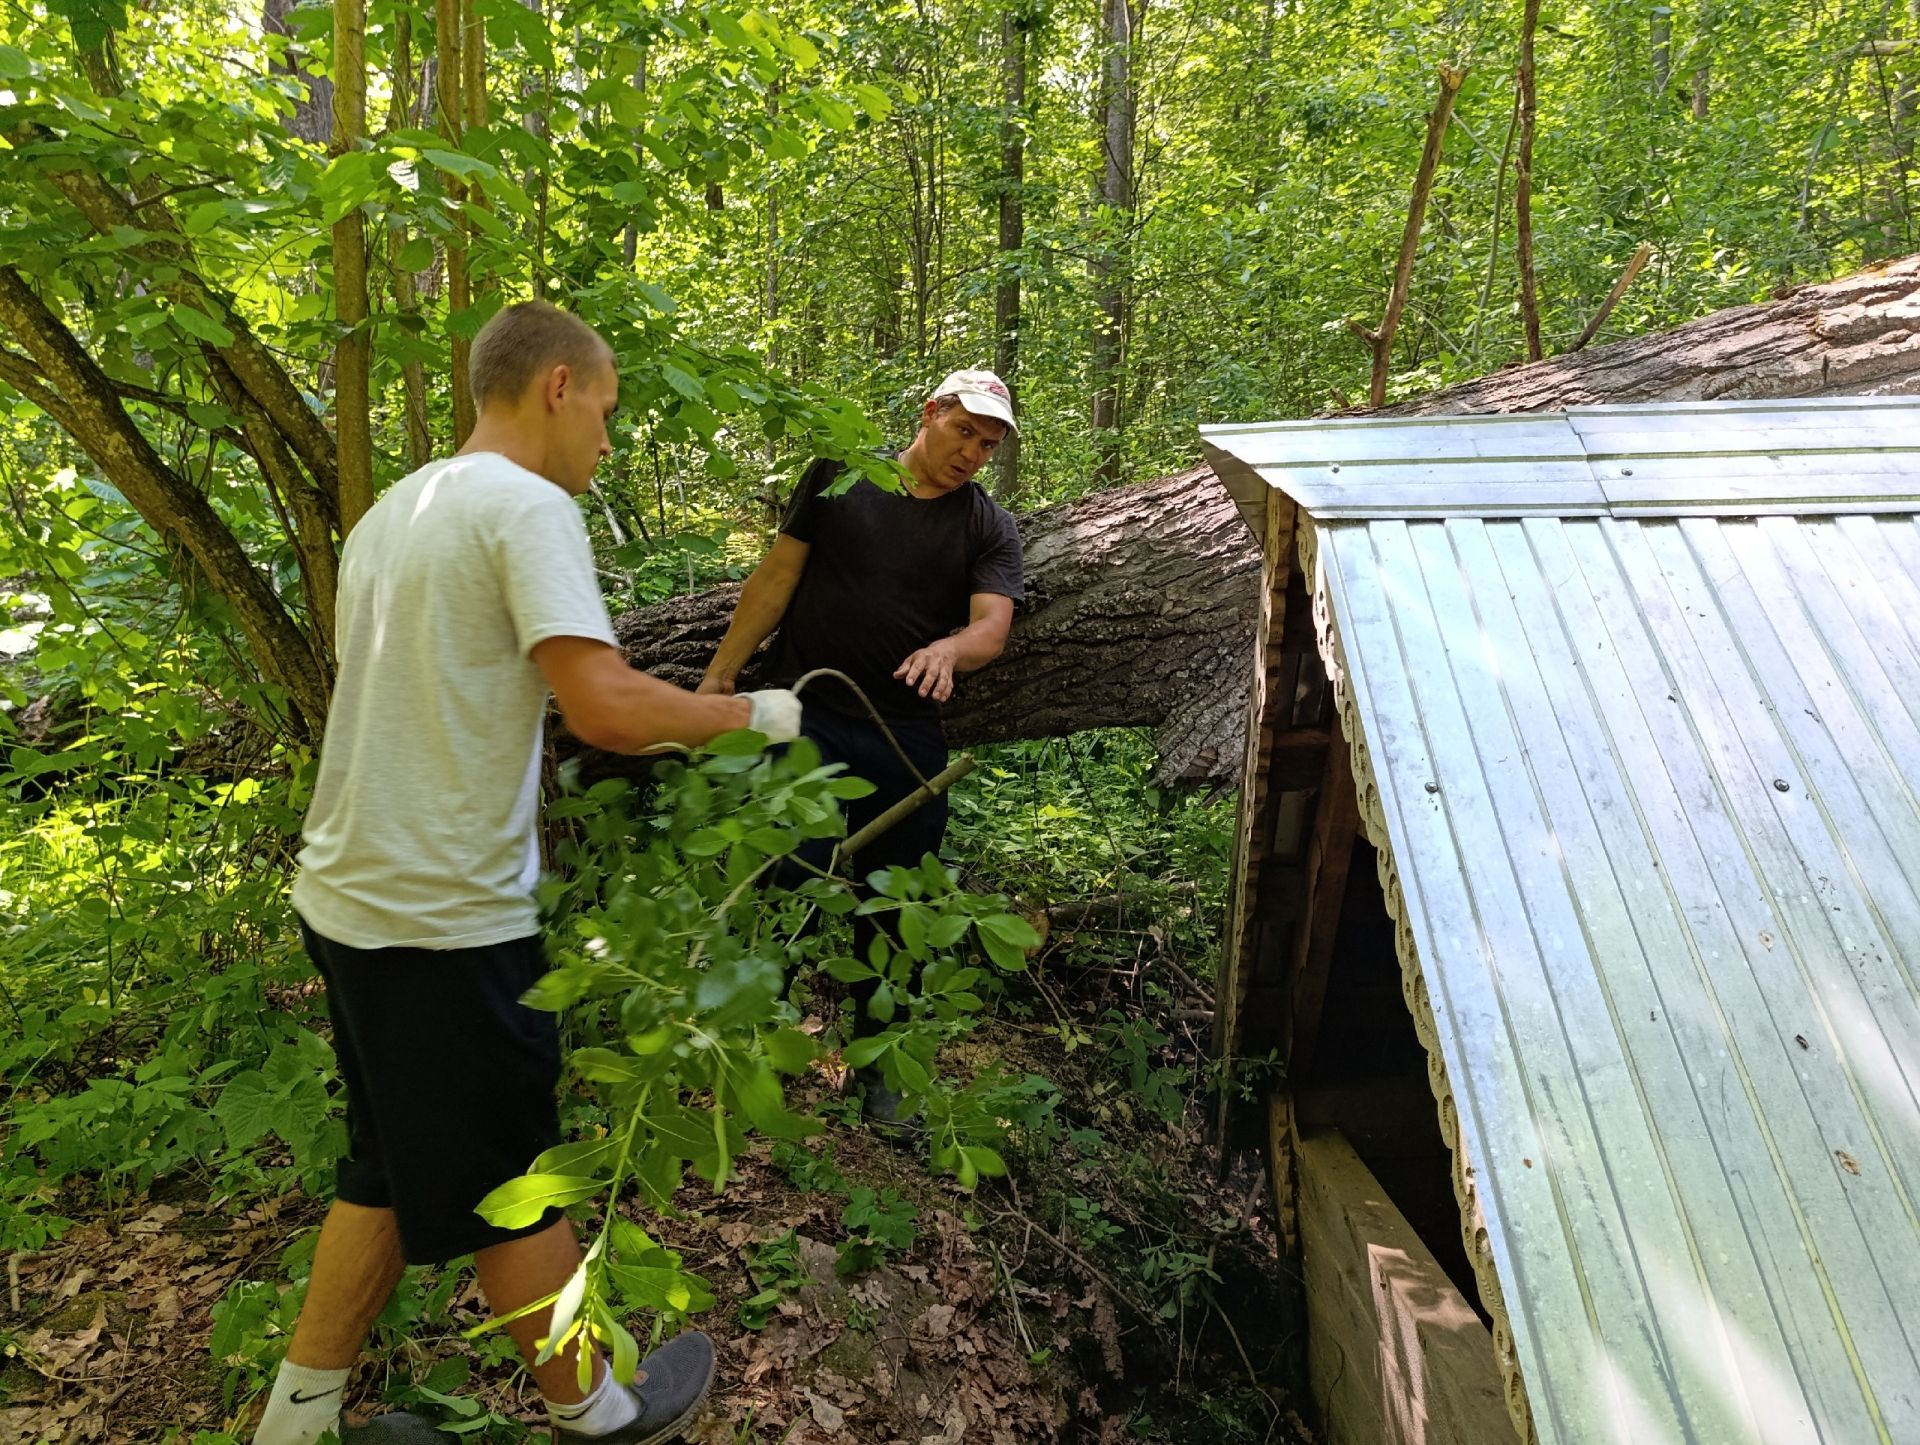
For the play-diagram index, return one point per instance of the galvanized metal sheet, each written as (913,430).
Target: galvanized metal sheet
(1652,788)
(1827,456)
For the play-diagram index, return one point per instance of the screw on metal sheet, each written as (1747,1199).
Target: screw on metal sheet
(1433,787)
(1335,467)
(1800,1039)
(1780,785)
(1626,471)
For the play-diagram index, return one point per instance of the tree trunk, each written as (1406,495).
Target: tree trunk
(1110,264)
(1013,232)
(447,85)
(353,354)
(81,398)
(1142,597)
(1139,613)
(406,294)
(1660,38)
(313,112)
(1523,184)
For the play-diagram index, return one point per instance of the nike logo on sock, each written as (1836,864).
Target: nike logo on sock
(296,1398)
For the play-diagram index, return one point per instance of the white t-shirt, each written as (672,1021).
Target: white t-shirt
(421,831)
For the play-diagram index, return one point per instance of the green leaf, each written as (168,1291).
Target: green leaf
(416,255)
(604,1066)
(847,970)
(873,100)
(862,1052)
(14,63)
(1007,939)
(789,1050)
(688,386)
(205,216)
(457,162)
(520,1202)
(560,1325)
(199,324)
(246,1108)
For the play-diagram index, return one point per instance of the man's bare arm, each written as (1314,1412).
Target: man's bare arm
(609,705)
(931,670)
(763,602)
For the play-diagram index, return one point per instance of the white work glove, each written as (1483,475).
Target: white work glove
(776,714)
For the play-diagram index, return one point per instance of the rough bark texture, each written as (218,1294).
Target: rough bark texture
(1139,613)
(1857,336)
(1142,597)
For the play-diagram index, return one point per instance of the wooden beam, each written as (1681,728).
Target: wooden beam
(1297,760)
(1396,1355)
(1254,821)
(1283,1141)
(1329,859)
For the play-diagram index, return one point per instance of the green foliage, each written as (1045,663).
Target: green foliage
(877,1225)
(777,1271)
(674,937)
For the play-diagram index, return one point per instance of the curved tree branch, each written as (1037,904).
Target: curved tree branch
(95,418)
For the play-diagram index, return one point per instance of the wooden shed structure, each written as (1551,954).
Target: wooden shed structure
(1578,887)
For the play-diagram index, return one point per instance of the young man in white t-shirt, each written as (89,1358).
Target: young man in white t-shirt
(467,593)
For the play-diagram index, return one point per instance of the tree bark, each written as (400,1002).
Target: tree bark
(1013,233)
(312,113)
(406,294)
(353,354)
(1142,597)
(91,413)
(1523,184)
(447,86)
(1110,263)
(1139,613)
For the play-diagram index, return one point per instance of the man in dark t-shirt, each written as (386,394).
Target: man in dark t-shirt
(900,591)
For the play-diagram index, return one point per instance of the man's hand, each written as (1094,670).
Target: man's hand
(776,714)
(930,670)
(723,686)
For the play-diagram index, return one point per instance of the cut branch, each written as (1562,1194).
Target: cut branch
(1613,297)
(1380,341)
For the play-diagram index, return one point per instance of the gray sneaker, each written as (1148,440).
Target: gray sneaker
(670,1388)
(401,1427)
(884,1110)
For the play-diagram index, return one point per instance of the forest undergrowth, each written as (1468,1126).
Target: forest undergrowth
(172,1114)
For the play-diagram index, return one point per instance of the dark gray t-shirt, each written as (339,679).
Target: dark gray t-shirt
(887,574)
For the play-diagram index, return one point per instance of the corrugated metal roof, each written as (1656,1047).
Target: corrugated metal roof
(1649,792)
(1689,458)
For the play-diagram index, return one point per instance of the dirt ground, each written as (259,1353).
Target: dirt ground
(999,1324)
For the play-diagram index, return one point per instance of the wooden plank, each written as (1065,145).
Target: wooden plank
(1330,855)
(1396,1356)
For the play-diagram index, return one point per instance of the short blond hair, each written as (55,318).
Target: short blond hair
(526,341)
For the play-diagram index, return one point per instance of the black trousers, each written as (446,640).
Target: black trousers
(858,743)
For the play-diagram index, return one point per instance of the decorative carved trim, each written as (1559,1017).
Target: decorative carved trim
(1413,984)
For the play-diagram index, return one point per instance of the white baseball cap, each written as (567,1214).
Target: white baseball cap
(982,393)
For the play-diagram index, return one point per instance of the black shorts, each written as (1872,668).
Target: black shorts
(450,1083)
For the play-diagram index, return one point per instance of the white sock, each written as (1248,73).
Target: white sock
(305,1404)
(605,1409)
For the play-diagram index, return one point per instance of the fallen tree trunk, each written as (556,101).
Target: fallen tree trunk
(1142,596)
(1139,613)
